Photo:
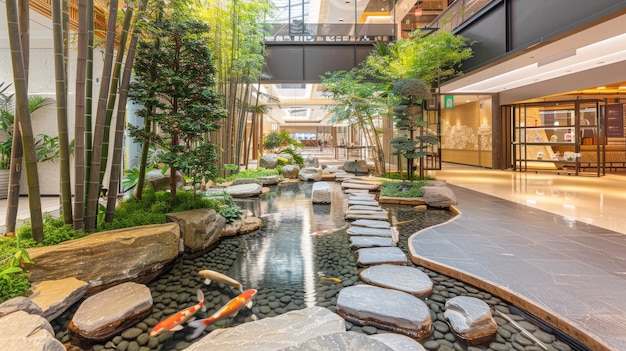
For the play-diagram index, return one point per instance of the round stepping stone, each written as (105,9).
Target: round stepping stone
(470,319)
(244,190)
(365,231)
(407,279)
(360,242)
(385,309)
(380,255)
(371,223)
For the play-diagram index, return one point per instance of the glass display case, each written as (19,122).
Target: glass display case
(548,136)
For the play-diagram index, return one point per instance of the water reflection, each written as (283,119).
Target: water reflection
(281,254)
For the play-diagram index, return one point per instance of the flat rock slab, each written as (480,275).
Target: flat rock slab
(380,255)
(56,296)
(107,313)
(28,332)
(385,309)
(362,202)
(359,215)
(399,342)
(360,242)
(407,279)
(371,223)
(350,185)
(346,341)
(362,197)
(366,231)
(290,329)
(470,319)
(365,208)
(244,190)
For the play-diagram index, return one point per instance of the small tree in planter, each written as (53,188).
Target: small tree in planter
(174,73)
(411,94)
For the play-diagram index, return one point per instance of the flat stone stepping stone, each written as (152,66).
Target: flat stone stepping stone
(372,215)
(365,231)
(360,242)
(385,309)
(244,190)
(398,342)
(350,185)
(372,223)
(361,181)
(362,197)
(470,319)
(407,279)
(362,202)
(365,208)
(105,314)
(356,191)
(380,255)
(345,341)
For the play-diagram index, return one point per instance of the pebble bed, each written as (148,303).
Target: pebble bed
(333,257)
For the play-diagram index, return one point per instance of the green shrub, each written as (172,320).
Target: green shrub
(402,189)
(251,173)
(231,213)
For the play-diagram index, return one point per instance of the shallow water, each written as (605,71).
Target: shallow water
(285,263)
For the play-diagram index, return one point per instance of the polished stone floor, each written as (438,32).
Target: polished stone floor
(554,244)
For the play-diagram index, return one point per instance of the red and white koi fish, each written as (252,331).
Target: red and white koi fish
(175,321)
(213,276)
(231,308)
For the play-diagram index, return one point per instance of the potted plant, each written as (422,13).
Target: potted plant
(47,146)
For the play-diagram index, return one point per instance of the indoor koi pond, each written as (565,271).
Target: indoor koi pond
(301,257)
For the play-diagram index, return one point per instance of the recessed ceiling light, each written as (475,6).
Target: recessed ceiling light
(600,88)
(622,87)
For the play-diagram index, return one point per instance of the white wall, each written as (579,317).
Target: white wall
(42,82)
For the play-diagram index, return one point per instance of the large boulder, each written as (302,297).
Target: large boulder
(290,329)
(269,180)
(470,319)
(356,166)
(161,181)
(320,193)
(311,161)
(290,171)
(108,313)
(56,296)
(438,196)
(142,254)
(310,174)
(23,331)
(268,161)
(200,229)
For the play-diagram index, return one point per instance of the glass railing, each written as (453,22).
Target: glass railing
(457,13)
(325,32)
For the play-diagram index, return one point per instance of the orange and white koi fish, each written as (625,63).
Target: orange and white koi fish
(334,280)
(213,276)
(175,321)
(231,308)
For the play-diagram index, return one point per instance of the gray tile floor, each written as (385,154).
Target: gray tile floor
(574,272)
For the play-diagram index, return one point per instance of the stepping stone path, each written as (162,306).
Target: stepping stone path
(385,309)
(407,279)
(391,300)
